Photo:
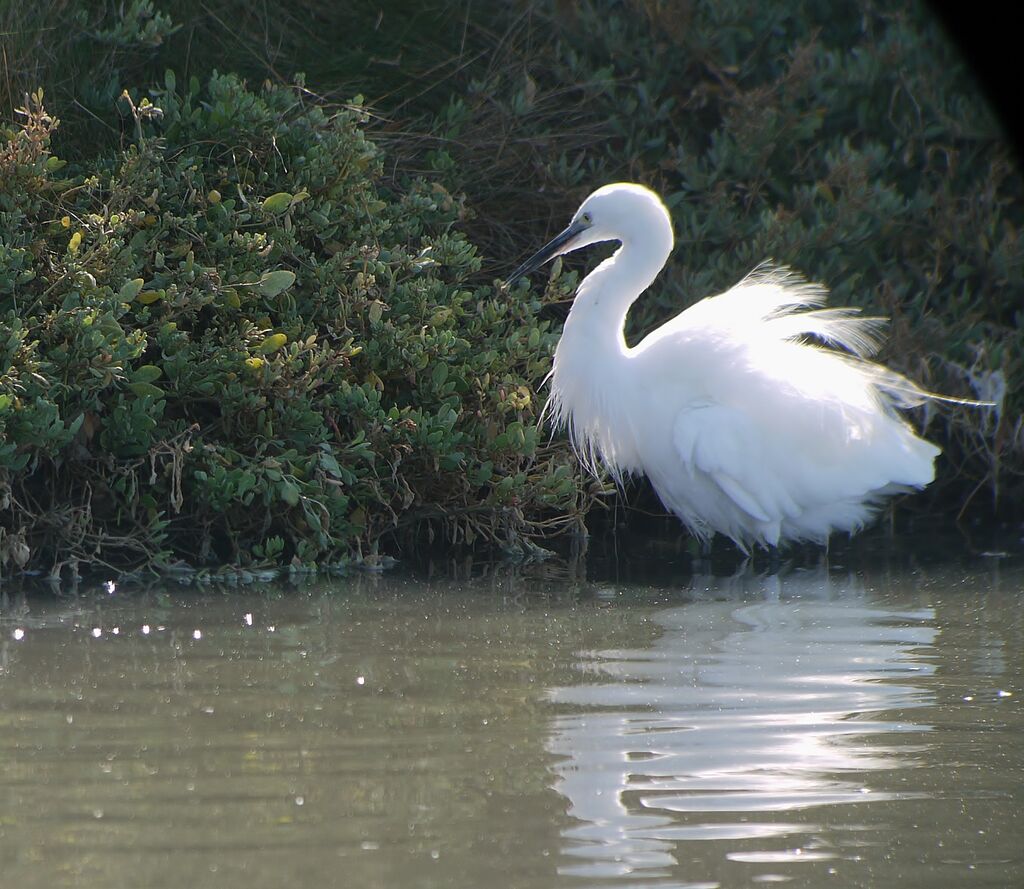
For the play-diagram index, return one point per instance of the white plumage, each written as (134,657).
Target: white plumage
(745,423)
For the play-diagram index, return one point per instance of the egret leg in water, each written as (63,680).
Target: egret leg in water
(755,413)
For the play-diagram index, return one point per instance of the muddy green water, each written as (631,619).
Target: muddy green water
(826,727)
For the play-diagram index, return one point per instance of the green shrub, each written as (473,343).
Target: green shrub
(230,343)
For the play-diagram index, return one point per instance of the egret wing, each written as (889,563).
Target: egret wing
(725,445)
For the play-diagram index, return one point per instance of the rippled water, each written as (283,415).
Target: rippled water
(824,727)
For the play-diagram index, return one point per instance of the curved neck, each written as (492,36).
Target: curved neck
(589,379)
(598,314)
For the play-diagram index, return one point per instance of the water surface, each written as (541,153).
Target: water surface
(817,727)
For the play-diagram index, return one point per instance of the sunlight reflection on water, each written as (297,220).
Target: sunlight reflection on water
(739,709)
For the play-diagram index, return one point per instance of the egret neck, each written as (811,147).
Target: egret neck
(590,374)
(597,318)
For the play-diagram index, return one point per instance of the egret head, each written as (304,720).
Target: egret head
(622,211)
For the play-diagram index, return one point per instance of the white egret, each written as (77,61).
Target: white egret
(756,413)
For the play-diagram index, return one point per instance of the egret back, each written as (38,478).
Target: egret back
(782,429)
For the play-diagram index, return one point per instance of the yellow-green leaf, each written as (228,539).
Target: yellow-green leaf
(143,389)
(213,196)
(131,289)
(147,297)
(75,242)
(231,298)
(272,343)
(273,283)
(278,203)
(254,363)
(147,373)
(376,311)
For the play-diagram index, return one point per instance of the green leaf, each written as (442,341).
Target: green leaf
(147,373)
(143,389)
(289,493)
(312,517)
(330,465)
(278,203)
(273,283)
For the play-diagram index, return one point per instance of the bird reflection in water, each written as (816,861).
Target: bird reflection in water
(760,700)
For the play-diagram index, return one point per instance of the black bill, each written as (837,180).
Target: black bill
(549,251)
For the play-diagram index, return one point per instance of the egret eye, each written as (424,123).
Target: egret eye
(586,218)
